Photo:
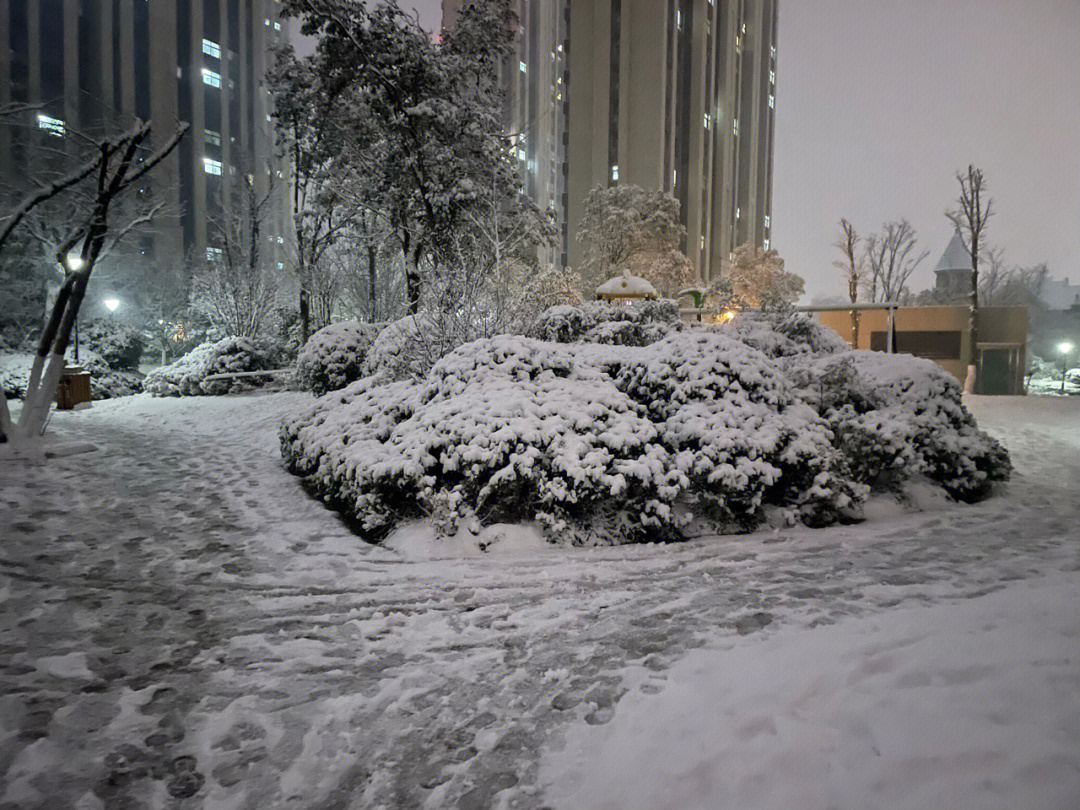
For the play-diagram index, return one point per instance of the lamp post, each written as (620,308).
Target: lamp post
(1064,348)
(74,262)
(111,304)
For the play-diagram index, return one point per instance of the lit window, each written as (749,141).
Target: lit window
(766,243)
(772,101)
(743,29)
(560,47)
(268,117)
(267,21)
(211,78)
(674,177)
(522,67)
(281,240)
(737,213)
(772,51)
(214,254)
(707,121)
(767,220)
(211,166)
(703,241)
(277,26)
(772,77)
(735,126)
(211,49)
(615,172)
(521,154)
(738,44)
(281,265)
(532,166)
(678,18)
(54,126)
(212,138)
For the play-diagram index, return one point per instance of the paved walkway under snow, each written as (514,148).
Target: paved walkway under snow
(180,619)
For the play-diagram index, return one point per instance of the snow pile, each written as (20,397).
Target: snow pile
(187,376)
(636,324)
(613,443)
(334,356)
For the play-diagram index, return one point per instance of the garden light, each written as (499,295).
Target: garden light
(111,304)
(1064,348)
(73,261)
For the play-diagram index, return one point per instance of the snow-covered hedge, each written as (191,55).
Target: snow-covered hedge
(187,376)
(334,356)
(636,324)
(616,443)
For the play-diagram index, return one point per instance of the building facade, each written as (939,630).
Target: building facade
(96,65)
(678,95)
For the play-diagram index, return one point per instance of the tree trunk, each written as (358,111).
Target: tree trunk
(971,383)
(372,255)
(305,317)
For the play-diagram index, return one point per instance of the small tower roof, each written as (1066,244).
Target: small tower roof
(955,256)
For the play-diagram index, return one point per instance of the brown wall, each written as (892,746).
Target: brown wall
(994,325)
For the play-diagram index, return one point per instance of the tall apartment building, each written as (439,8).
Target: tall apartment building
(665,94)
(96,65)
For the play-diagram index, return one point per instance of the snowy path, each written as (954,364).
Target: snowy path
(178,616)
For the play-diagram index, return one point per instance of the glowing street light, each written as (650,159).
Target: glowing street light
(74,261)
(1065,348)
(111,304)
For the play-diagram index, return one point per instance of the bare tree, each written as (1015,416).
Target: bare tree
(973,209)
(118,166)
(853,268)
(238,286)
(891,259)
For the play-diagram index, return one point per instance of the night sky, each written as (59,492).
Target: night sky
(879,103)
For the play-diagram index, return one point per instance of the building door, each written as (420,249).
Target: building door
(996,371)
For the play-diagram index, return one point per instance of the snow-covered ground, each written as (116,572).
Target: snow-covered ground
(178,616)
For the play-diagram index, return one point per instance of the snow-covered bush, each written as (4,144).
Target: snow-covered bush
(636,324)
(187,376)
(405,348)
(895,416)
(105,382)
(334,356)
(614,443)
(15,373)
(118,347)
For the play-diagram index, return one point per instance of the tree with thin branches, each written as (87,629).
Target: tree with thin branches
(891,259)
(973,209)
(117,166)
(853,267)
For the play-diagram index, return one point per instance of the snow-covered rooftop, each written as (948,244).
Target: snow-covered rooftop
(955,257)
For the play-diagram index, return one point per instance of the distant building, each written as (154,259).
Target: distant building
(1060,295)
(953,271)
(674,95)
(96,65)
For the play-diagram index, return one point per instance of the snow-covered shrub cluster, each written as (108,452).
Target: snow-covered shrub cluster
(106,382)
(895,416)
(614,443)
(117,346)
(405,348)
(636,324)
(15,373)
(334,356)
(187,376)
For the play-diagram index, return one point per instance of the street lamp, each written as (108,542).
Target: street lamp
(111,304)
(1064,348)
